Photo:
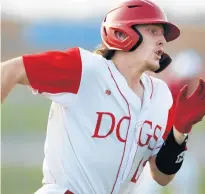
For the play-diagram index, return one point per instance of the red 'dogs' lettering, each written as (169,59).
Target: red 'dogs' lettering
(113,125)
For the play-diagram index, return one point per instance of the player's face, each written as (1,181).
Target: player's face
(150,50)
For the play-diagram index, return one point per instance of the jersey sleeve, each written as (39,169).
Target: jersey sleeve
(54,74)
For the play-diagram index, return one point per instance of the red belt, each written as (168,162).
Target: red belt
(68,192)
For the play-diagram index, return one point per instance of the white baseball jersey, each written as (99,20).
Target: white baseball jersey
(99,134)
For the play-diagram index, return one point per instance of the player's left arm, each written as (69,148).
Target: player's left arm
(187,111)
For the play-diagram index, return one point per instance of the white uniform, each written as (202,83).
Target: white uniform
(99,135)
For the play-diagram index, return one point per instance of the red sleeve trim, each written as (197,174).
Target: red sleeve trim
(170,121)
(54,71)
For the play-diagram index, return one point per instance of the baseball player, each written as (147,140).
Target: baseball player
(108,117)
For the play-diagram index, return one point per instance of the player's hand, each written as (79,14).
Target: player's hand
(189,109)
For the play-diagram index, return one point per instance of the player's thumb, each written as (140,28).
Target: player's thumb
(183,93)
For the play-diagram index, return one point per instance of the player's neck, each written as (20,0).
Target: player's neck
(131,72)
(128,68)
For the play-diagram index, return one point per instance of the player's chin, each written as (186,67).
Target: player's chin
(154,65)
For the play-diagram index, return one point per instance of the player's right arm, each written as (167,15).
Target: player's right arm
(49,73)
(12,72)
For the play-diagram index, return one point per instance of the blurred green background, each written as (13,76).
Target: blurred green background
(23,122)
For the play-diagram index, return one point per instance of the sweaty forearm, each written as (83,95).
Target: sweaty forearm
(179,137)
(12,72)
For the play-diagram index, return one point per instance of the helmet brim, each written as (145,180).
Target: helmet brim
(172,32)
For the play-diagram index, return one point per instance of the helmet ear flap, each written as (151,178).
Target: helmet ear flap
(140,39)
(120,35)
(122,38)
(113,36)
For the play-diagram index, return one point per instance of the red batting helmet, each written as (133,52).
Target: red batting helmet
(129,14)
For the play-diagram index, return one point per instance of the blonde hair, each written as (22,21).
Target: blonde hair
(104,52)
